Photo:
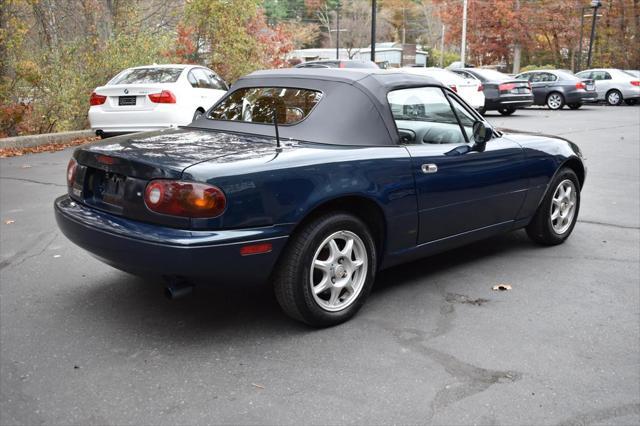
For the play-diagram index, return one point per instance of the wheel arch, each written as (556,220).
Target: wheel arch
(576,165)
(366,209)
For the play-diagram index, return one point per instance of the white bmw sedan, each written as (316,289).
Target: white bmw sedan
(469,89)
(153,97)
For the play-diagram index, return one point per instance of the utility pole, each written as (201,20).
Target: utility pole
(338,31)
(595,4)
(579,66)
(442,48)
(463,47)
(373,30)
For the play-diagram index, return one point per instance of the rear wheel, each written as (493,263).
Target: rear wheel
(555,101)
(506,111)
(614,97)
(557,214)
(630,101)
(327,270)
(575,106)
(199,113)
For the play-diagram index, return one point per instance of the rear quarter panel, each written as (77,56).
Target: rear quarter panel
(284,187)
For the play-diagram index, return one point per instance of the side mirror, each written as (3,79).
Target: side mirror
(481,133)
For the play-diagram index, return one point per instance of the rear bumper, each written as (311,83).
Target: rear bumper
(509,101)
(152,250)
(578,97)
(161,117)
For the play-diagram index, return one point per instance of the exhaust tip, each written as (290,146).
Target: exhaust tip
(176,290)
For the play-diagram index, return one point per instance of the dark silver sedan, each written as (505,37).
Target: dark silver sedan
(557,88)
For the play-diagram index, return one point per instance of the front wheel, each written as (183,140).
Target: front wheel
(506,111)
(557,214)
(327,270)
(614,97)
(575,106)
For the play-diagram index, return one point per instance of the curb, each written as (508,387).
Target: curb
(47,138)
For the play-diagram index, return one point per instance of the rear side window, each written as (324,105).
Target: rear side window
(261,104)
(148,75)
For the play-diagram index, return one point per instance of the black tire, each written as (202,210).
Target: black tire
(292,276)
(630,102)
(199,113)
(541,229)
(575,106)
(555,101)
(506,111)
(614,97)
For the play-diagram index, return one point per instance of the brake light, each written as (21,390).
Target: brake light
(72,167)
(187,199)
(96,99)
(256,249)
(480,88)
(164,97)
(581,85)
(506,87)
(635,83)
(454,88)
(341,64)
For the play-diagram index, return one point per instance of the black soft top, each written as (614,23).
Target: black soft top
(353,109)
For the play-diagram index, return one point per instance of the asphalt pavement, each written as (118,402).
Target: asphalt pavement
(82,343)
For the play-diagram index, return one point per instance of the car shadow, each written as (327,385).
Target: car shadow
(123,304)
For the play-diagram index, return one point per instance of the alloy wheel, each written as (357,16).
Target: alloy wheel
(613,98)
(554,101)
(338,271)
(563,206)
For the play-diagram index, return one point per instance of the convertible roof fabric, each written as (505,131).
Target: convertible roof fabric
(353,109)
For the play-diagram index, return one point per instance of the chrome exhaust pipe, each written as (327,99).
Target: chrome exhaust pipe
(178,289)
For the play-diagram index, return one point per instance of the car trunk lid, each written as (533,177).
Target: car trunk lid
(130,97)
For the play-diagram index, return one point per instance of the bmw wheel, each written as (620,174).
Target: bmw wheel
(555,101)
(327,270)
(557,214)
(506,111)
(614,97)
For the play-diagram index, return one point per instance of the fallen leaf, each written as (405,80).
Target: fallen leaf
(258,386)
(9,221)
(50,147)
(502,287)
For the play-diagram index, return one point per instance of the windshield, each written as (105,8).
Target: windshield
(260,104)
(147,75)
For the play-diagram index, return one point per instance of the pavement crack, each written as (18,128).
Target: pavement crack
(21,256)
(33,181)
(613,225)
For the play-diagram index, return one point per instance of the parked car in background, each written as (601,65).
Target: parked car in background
(614,86)
(469,88)
(557,88)
(342,63)
(502,93)
(153,97)
(370,170)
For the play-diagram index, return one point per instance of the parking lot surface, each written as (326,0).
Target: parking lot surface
(82,343)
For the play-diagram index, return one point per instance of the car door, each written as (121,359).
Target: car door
(459,189)
(603,82)
(205,90)
(539,87)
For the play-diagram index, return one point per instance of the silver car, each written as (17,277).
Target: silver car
(613,85)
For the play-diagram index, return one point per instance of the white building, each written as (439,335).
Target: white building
(389,53)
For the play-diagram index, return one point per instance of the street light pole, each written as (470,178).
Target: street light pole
(579,67)
(442,48)
(463,47)
(338,31)
(373,30)
(595,4)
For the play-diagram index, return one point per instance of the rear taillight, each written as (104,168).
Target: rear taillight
(454,88)
(635,83)
(164,97)
(341,65)
(71,171)
(96,99)
(506,87)
(187,199)
(480,88)
(581,85)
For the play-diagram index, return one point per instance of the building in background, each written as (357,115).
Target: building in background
(388,55)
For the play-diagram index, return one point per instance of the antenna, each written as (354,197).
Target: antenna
(275,124)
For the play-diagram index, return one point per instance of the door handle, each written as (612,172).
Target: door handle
(429,168)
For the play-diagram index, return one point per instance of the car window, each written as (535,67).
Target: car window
(525,76)
(607,76)
(426,114)
(535,77)
(465,117)
(216,81)
(259,104)
(585,74)
(203,79)
(192,79)
(148,75)
(601,75)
